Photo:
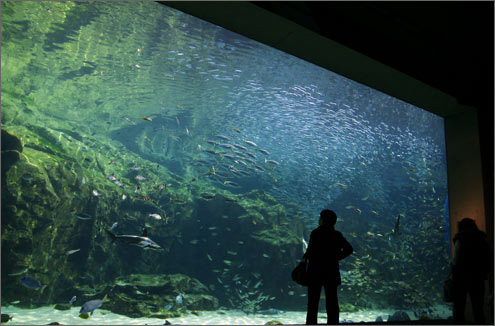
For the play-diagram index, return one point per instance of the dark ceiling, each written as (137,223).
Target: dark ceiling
(447,45)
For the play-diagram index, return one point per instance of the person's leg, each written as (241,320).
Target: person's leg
(459,304)
(332,304)
(314,291)
(477,294)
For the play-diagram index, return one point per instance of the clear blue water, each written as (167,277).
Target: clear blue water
(302,134)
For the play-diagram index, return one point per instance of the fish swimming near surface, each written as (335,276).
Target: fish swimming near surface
(92,305)
(32,283)
(142,241)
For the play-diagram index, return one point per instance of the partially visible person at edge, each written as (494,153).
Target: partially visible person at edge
(470,268)
(326,247)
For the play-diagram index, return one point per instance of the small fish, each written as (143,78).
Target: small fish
(155,216)
(178,122)
(209,257)
(96,193)
(83,180)
(31,283)
(160,186)
(233,253)
(139,177)
(145,198)
(271,162)
(207,196)
(72,300)
(168,307)
(135,169)
(18,272)
(149,140)
(111,177)
(187,131)
(145,118)
(341,184)
(124,197)
(70,252)
(27,177)
(250,143)
(177,138)
(271,311)
(235,129)
(230,183)
(264,151)
(194,241)
(178,299)
(258,284)
(227,262)
(114,225)
(266,256)
(128,120)
(112,162)
(83,216)
(92,305)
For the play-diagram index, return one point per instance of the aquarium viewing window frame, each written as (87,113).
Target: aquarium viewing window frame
(464,170)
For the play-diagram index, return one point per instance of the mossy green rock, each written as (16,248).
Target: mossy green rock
(62,306)
(149,294)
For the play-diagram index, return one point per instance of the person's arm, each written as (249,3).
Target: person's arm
(455,259)
(310,245)
(346,249)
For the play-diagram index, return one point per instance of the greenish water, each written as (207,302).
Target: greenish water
(128,109)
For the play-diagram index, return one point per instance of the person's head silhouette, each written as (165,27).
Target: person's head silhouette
(466,225)
(327,218)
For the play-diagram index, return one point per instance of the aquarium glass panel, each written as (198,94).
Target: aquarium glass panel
(178,169)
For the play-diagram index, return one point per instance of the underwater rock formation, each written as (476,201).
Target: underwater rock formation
(140,295)
(11,149)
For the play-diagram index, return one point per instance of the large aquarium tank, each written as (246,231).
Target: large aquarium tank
(158,167)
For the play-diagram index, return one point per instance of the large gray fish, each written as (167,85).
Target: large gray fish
(90,306)
(142,241)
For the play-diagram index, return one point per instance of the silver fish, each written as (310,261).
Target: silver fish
(70,252)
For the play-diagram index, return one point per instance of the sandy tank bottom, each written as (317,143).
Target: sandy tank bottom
(47,314)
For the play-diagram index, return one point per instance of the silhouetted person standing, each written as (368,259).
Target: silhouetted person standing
(470,267)
(326,247)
